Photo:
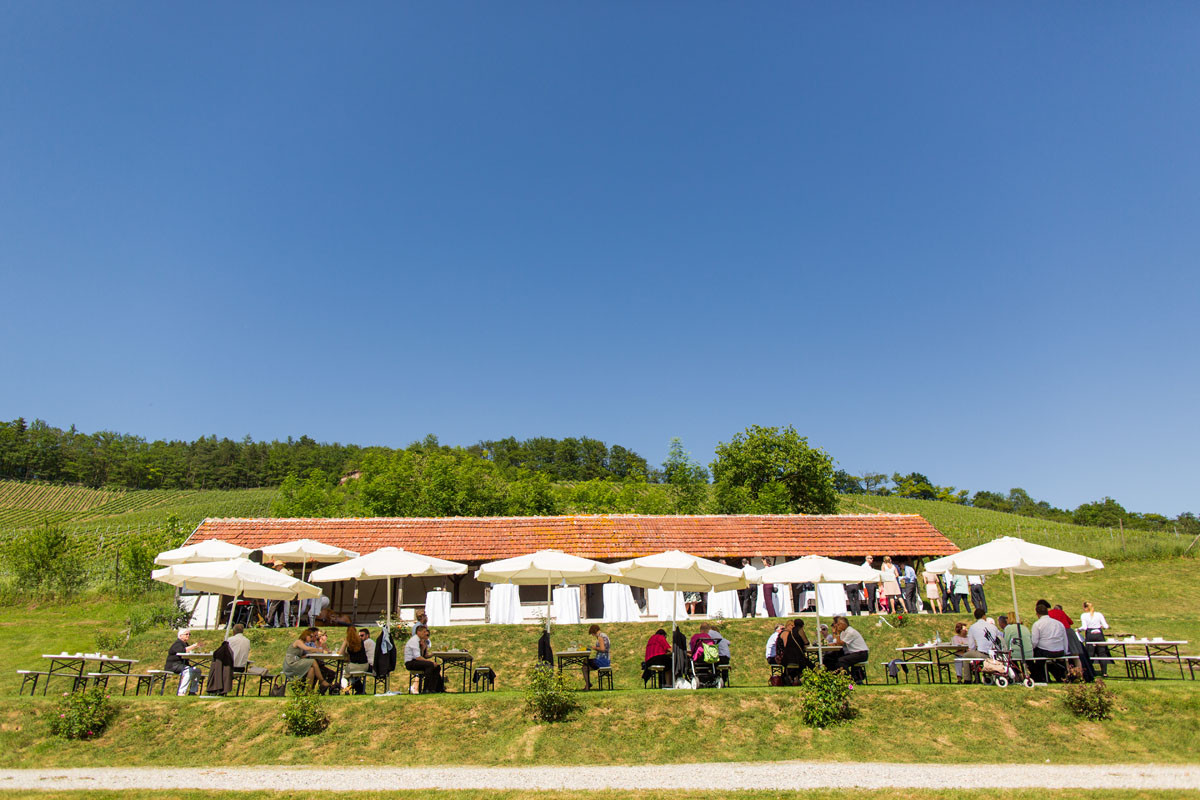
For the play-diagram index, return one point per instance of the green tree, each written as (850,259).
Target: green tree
(771,470)
(688,479)
(1106,513)
(845,483)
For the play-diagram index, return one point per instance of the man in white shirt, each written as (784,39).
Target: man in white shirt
(975,582)
(239,645)
(872,604)
(854,647)
(1049,641)
(415,662)
(369,646)
(982,638)
(772,642)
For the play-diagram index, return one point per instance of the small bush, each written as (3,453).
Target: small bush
(82,715)
(1092,701)
(42,563)
(548,698)
(303,712)
(164,615)
(108,642)
(899,619)
(825,697)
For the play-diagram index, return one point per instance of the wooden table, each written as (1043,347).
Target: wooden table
(72,666)
(459,660)
(1162,649)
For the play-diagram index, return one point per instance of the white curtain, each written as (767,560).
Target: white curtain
(619,605)
(437,607)
(833,598)
(565,605)
(658,602)
(725,604)
(504,604)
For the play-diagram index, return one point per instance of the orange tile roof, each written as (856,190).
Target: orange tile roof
(605,537)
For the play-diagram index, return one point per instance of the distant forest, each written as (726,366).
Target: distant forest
(508,476)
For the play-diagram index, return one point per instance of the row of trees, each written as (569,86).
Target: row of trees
(1104,513)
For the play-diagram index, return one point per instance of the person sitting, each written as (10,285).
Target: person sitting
(699,638)
(189,676)
(240,646)
(959,640)
(1049,639)
(368,646)
(603,657)
(299,663)
(416,660)
(658,654)
(854,647)
(982,638)
(1017,638)
(792,651)
(773,646)
(722,645)
(357,664)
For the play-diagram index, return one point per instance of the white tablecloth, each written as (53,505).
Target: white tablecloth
(504,604)
(658,603)
(619,605)
(833,598)
(564,606)
(725,604)
(437,607)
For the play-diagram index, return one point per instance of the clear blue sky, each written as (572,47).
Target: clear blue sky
(948,238)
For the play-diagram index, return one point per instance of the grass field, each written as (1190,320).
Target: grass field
(492,794)
(1158,721)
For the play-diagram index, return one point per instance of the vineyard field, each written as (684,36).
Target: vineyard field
(967,526)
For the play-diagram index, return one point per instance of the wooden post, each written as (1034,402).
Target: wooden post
(487,603)
(354,605)
(399,596)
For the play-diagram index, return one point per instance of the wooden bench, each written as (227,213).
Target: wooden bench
(151,677)
(655,681)
(265,678)
(1192,663)
(603,673)
(419,677)
(1135,666)
(483,679)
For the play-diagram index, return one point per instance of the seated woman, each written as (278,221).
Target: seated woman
(658,654)
(603,655)
(357,663)
(959,639)
(791,647)
(299,663)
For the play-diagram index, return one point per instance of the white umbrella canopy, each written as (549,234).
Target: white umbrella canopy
(816,569)
(305,550)
(680,571)
(545,567)
(208,550)
(1016,557)
(388,562)
(239,577)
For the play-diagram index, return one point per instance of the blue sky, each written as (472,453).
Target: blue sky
(947,238)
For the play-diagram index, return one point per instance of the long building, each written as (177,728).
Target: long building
(607,537)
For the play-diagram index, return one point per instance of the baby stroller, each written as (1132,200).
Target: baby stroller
(1002,669)
(704,665)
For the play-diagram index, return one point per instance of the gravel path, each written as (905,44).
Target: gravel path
(724,776)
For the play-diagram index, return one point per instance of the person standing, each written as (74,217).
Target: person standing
(959,591)
(749,595)
(768,590)
(908,585)
(1093,624)
(189,676)
(978,600)
(891,585)
(872,603)
(933,591)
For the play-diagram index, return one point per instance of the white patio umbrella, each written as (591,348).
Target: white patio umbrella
(548,567)
(388,562)
(1016,557)
(679,571)
(239,577)
(304,551)
(816,569)
(208,550)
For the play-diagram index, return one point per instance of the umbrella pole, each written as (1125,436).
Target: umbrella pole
(299,603)
(547,604)
(820,638)
(1016,611)
(389,602)
(232,612)
(674,606)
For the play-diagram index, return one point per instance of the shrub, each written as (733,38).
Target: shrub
(548,698)
(899,619)
(1092,701)
(82,715)
(163,615)
(107,642)
(42,562)
(303,713)
(825,697)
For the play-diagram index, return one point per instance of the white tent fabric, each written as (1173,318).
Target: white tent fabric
(680,571)
(504,604)
(565,607)
(305,550)
(725,604)
(388,562)
(777,597)
(208,550)
(619,605)
(546,567)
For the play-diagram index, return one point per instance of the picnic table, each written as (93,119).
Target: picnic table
(459,660)
(71,665)
(1156,648)
(572,659)
(932,657)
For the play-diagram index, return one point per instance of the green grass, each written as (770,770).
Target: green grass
(493,794)
(967,526)
(1158,721)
